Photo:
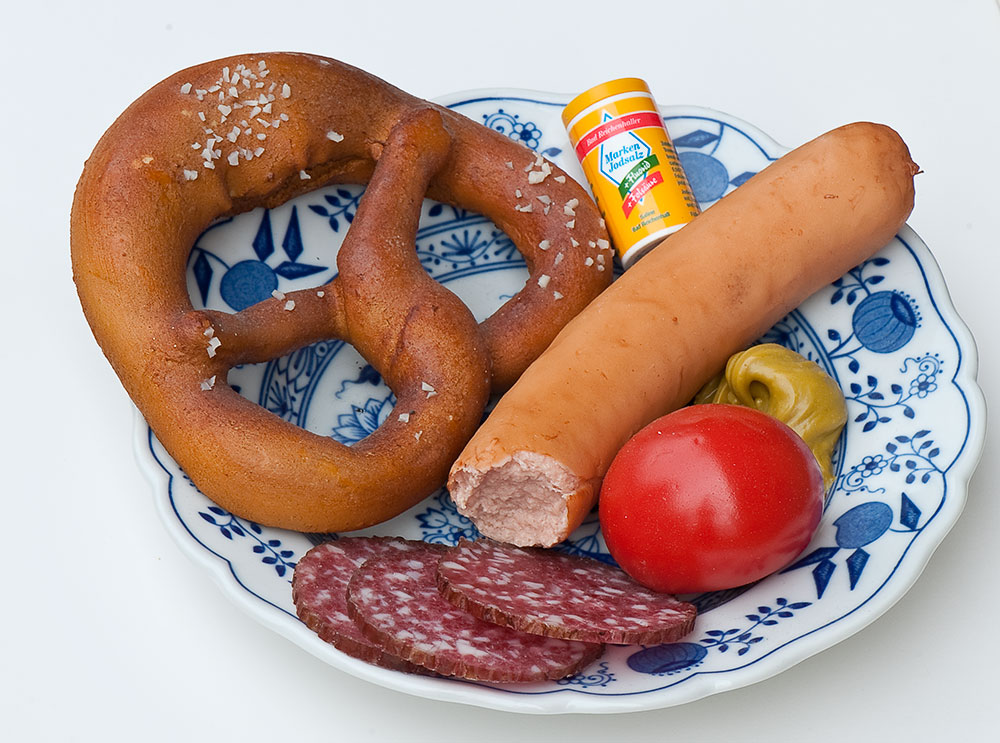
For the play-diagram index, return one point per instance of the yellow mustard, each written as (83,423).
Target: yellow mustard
(631,165)
(786,386)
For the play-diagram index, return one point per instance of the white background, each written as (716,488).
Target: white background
(108,632)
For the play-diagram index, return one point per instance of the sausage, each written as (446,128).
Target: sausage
(395,601)
(558,595)
(319,592)
(645,346)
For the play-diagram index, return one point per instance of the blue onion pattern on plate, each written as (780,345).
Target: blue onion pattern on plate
(886,331)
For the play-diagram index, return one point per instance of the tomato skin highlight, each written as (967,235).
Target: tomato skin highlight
(710,497)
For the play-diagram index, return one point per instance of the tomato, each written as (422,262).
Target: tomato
(710,497)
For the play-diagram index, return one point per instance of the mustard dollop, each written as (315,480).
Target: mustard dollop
(783,384)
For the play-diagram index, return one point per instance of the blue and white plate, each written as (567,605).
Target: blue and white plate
(886,331)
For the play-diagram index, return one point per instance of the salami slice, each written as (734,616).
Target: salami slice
(395,600)
(319,590)
(559,595)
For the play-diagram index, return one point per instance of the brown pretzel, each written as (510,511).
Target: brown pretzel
(228,136)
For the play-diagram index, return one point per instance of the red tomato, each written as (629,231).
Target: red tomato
(710,497)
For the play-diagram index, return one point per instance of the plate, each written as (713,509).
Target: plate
(887,331)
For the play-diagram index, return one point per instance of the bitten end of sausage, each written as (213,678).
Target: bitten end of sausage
(526,499)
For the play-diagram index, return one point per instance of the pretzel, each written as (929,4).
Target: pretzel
(254,131)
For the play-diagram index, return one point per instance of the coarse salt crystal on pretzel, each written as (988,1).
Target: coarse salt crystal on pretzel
(138,210)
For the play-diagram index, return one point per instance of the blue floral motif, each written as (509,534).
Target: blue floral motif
(465,247)
(862,525)
(525,132)
(280,401)
(342,204)
(202,270)
(707,177)
(910,456)
(675,657)
(667,660)
(250,281)
(272,551)
(744,638)
(246,283)
(923,385)
(600,677)
(857,528)
(697,139)
(855,283)
(367,375)
(441,523)
(362,422)
(742,178)
(883,321)
(914,455)
(909,515)
(876,404)
(289,380)
(870,466)
(466,241)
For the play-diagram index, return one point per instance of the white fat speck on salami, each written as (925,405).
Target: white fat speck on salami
(559,595)
(319,591)
(395,601)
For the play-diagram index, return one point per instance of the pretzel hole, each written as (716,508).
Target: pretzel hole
(244,259)
(326,388)
(240,261)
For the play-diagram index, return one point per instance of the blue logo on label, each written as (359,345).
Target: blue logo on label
(619,153)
